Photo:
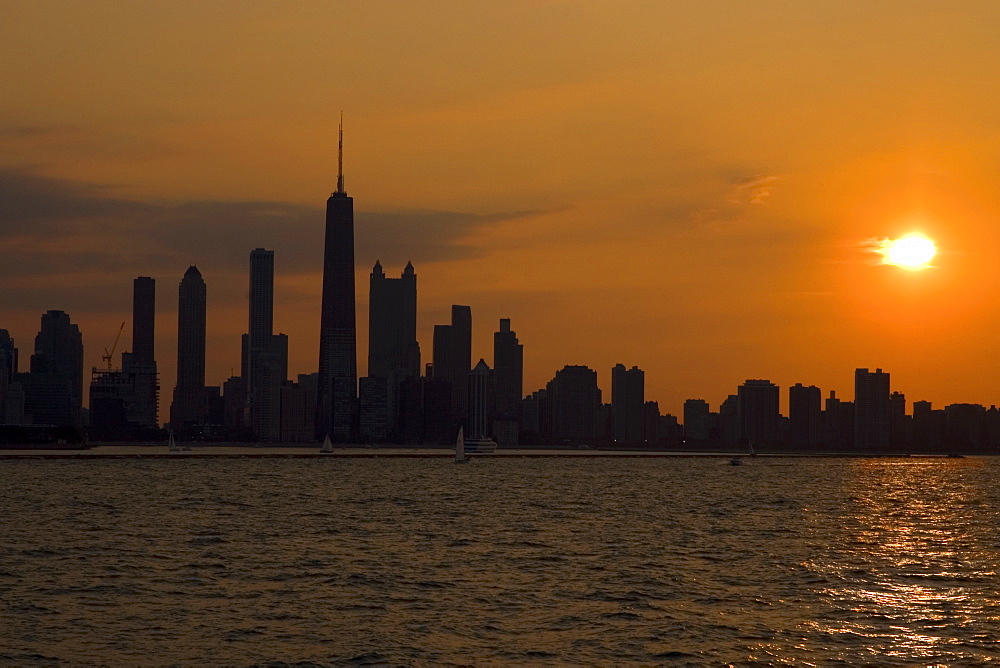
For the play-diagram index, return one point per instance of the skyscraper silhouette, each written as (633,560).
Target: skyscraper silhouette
(627,400)
(188,407)
(574,400)
(393,351)
(8,371)
(338,374)
(453,358)
(143,320)
(508,374)
(804,415)
(479,420)
(758,410)
(53,391)
(139,366)
(871,409)
(267,354)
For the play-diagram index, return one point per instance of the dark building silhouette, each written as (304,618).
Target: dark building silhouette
(627,401)
(900,424)
(929,426)
(536,418)
(438,417)
(338,372)
(393,351)
(758,411)
(266,353)
(482,401)
(143,320)
(234,409)
(140,374)
(651,412)
(965,428)
(189,405)
(729,420)
(871,409)
(124,402)
(805,415)
(453,359)
(298,412)
(373,409)
(838,422)
(697,420)
(11,389)
(11,395)
(575,401)
(53,390)
(508,376)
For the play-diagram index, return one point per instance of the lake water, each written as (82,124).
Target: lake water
(498,562)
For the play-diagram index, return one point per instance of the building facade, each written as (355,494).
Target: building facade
(338,372)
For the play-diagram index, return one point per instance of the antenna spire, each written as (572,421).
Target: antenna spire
(340,159)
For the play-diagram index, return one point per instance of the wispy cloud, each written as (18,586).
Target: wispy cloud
(752,190)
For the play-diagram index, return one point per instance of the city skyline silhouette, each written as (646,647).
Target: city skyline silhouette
(624,204)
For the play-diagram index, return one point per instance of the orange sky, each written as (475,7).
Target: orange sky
(688,187)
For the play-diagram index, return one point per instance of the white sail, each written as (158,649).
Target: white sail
(460,445)
(327,445)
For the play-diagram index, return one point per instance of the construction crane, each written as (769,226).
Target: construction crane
(109,354)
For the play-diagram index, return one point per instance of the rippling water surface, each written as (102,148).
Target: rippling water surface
(523,561)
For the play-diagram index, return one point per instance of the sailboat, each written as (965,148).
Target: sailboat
(460,457)
(172,444)
(327,445)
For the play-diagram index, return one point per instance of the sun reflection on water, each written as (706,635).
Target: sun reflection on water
(911,559)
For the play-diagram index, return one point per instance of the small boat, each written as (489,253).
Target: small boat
(173,446)
(460,457)
(327,445)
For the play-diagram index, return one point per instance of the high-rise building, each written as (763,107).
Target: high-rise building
(124,402)
(189,404)
(697,420)
(627,399)
(53,390)
(729,420)
(482,401)
(804,415)
(393,351)
(453,359)
(758,410)
(372,409)
(574,400)
(143,320)
(871,409)
(267,355)
(338,372)
(651,413)
(508,375)
(10,409)
(139,366)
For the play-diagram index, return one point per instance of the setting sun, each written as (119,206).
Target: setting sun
(913,251)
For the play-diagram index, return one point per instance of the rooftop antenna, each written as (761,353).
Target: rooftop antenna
(340,159)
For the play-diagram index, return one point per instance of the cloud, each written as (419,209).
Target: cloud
(751,190)
(58,227)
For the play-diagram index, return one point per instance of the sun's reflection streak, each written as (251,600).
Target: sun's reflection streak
(913,556)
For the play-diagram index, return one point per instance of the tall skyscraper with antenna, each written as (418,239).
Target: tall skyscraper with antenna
(338,373)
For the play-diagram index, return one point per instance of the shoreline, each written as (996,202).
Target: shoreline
(159,451)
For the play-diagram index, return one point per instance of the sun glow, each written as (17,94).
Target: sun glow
(912,251)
